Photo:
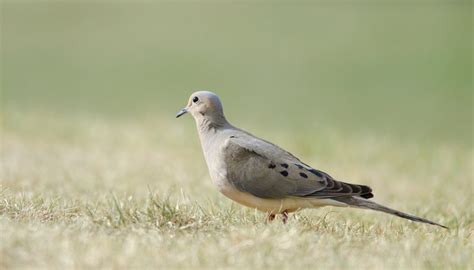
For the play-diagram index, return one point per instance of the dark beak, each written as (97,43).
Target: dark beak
(183,111)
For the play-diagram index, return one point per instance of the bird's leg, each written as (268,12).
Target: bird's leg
(285,216)
(271,217)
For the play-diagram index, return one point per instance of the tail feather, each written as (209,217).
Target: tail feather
(366,204)
(366,192)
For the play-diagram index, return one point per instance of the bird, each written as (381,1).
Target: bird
(261,175)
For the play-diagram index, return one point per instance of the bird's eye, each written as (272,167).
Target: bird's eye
(195,99)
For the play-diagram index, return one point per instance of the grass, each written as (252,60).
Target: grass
(96,173)
(115,194)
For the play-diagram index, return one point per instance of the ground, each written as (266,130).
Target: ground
(110,194)
(95,172)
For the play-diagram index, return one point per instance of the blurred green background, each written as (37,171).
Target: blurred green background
(376,92)
(397,68)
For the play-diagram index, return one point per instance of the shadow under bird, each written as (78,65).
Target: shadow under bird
(263,176)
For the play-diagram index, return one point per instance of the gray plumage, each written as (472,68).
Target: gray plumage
(244,150)
(261,175)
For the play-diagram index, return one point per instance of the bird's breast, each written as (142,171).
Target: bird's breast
(219,176)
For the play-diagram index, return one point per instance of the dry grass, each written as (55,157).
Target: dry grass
(83,193)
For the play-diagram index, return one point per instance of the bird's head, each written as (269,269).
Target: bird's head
(204,105)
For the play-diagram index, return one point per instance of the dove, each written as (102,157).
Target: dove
(261,175)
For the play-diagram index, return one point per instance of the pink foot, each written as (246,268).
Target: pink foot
(271,217)
(285,216)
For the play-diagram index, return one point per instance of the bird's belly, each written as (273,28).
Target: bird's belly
(273,206)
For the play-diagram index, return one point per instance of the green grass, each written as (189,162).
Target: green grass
(81,193)
(95,172)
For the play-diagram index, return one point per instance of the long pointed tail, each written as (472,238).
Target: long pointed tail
(366,204)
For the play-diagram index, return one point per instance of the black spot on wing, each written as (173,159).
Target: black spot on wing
(299,166)
(271,166)
(284,165)
(316,172)
(303,175)
(284,173)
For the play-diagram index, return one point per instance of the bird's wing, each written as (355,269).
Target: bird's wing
(267,171)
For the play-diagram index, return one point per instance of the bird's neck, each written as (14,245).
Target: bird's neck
(211,124)
(209,128)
